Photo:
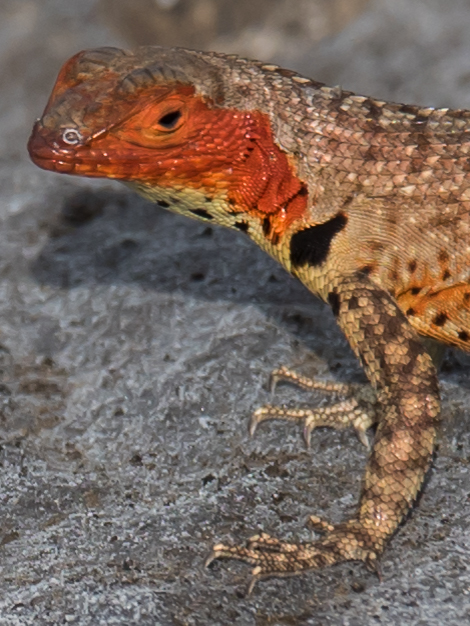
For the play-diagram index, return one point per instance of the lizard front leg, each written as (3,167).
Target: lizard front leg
(404,377)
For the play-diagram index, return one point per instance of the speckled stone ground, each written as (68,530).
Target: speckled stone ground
(134,344)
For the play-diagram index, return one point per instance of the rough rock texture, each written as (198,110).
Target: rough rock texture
(134,344)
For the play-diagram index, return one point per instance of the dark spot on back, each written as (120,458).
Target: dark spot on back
(410,311)
(311,245)
(374,111)
(353,303)
(366,270)
(415,291)
(243,226)
(463,335)
(419,121)
(370,154)
(412,266)
(466,296)
(286,73)
(408,108)
(445,274)
(201,213)
(440,319)
(443,256)
(334,302)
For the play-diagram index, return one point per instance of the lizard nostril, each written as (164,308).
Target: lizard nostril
(71,136)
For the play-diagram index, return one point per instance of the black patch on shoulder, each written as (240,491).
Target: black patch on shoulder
(311,245)
(415,291)
(266,226)
(243,226)
(463,335)
(163,204)
(202,213)
(440,319)
(410,311)
(334,302)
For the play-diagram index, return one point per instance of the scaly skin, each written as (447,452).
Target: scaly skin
(366,202)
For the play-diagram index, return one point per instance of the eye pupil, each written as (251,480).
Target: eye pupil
(169,120)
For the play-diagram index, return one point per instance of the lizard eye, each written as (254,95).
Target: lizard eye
(170,121)
(71,136)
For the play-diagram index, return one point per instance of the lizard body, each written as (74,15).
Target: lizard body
(366,202)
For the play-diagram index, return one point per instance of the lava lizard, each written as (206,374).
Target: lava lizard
(366,202)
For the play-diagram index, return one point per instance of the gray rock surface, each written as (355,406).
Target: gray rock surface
(134,344)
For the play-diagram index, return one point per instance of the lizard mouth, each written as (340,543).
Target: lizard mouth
(47,155)
(52,154)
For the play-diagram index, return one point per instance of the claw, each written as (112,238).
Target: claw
(213,554)
(210,559)
(273,380)
(361,435)
(308,428)
(257,418)
(373,565)
(282,373)
(254,579)
(253,426)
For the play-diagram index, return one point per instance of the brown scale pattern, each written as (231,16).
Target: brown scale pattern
(366,202)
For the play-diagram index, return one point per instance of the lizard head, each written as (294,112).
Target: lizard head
(158,120)
(112,115)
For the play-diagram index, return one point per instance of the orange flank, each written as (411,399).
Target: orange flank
(440,314)
(170,138)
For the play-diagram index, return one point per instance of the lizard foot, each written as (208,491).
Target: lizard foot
(272,557)
(357,411)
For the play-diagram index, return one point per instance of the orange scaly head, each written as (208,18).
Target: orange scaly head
(139,120)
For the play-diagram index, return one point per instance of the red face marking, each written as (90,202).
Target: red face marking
(168,137)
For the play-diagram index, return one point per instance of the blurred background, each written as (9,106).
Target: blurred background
(414,50)
(134,345)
